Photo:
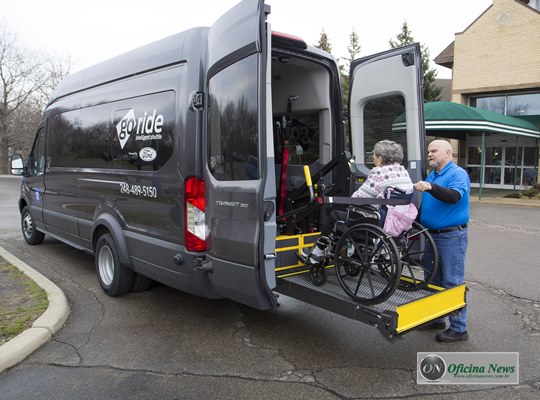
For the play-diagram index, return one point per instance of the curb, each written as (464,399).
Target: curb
(9,176)
(506,202)
(24,344)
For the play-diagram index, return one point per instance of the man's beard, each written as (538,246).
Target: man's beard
(433,164)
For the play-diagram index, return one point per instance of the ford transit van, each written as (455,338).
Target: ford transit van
(181,161)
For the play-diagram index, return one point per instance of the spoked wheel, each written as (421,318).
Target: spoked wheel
(414,246)
(367,264)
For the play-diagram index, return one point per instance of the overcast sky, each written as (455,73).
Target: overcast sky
(93,31)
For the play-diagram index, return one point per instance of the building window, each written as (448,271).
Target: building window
(509,104)
(504,167)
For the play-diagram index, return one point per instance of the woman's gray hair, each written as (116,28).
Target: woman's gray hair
(391,152)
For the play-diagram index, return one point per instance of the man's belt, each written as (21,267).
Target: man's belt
(448,230)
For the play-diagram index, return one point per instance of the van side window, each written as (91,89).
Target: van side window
(93,138)
(384,118)
(143,131)
(62,132)
(233,136)
(135,133)
(36,160)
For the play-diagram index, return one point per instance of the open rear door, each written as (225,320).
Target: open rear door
(240,187)
(386,102)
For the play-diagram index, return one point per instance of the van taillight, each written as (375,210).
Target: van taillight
(195,218)
(284,39)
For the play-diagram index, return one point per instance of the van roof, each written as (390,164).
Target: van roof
(164,52)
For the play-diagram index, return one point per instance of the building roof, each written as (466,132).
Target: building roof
(448,116)
(446,58)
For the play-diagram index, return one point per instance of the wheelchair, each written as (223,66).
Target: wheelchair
(369,263)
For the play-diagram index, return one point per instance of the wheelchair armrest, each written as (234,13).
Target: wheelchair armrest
(365,210)
(361,201)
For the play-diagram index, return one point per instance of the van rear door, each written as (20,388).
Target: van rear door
(240,188)
(386,102)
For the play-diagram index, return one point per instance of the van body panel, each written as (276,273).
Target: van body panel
(396,72)
(235,34)
(236,170)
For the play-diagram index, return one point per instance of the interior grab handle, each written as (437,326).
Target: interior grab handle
(309,184)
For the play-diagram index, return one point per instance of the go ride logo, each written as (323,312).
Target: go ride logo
(146,127)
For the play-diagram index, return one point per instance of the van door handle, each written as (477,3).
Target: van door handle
(268,210)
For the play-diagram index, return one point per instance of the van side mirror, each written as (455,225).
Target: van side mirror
(17,164)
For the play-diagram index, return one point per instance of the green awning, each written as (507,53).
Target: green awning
(447,116)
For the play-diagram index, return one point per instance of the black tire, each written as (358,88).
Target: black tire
(366,250)
(413,246)
(114,278)
(28,227)
(317,273)
(140,283)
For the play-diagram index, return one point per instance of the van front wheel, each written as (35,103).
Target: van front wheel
(114,278)
(28,226)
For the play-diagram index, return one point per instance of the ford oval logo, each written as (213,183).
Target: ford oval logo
(147,154)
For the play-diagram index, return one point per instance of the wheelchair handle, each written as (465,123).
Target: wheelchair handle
(395,189)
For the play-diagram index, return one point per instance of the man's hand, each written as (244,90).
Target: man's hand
(422,186)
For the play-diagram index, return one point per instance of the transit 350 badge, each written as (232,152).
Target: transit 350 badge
(147,154)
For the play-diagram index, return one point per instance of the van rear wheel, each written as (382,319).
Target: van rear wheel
(28,226)
(114,278)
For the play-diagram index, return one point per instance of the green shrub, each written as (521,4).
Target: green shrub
(513,195)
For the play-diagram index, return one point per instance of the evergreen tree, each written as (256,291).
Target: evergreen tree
(324,43)
(432,92)
(354,50)
(354,47)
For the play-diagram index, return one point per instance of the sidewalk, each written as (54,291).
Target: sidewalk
(21,346)
(495,196)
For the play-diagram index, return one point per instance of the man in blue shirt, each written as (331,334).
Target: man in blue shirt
(445,212)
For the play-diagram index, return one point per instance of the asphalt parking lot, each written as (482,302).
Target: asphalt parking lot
(166,344)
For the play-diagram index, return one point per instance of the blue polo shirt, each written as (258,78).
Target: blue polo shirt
(436,214)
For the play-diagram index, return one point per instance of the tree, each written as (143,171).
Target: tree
(354,50)
(354,47)
(26,80)
(432,92)
(324,43)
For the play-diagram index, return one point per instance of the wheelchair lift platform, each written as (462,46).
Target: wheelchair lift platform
(402,312)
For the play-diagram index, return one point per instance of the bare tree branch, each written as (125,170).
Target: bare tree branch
(26,80)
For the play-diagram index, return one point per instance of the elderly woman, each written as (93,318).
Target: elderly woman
(388,171)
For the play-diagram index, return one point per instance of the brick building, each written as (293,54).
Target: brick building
(495,65)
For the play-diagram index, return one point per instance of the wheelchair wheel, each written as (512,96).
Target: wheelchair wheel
(367,264)
(416,271)
(317,273)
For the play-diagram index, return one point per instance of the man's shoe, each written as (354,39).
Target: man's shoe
(433,325)
(449,336)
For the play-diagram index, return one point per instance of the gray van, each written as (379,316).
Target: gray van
(174,162)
